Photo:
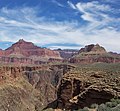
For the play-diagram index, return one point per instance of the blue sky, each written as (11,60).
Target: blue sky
(61,23)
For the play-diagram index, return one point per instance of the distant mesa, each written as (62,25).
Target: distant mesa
(28,53)
(67,53)
(24,52)
(93,48)
(94,53)
(22,44)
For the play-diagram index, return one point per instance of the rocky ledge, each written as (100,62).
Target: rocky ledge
(84,86)
(29,88)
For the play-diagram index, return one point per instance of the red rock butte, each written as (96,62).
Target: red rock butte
(26,52)
(94,53)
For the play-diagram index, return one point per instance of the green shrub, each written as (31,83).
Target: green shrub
(117,101)
(113,105)
(109,104)
(84,109)
(93,106)
(103,107)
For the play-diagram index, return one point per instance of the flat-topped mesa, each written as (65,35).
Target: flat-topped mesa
(93,48)
(94,53)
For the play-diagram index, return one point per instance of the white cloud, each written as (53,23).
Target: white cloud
(29,26)
(58,3)
(71,5)
(24,23)
(99,16)
(111,1)
(93,11)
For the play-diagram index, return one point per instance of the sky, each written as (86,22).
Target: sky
(66,24)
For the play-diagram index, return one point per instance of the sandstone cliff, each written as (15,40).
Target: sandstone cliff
(29,88)
(33,88)
(87,85)
(67,53)
(94,53)
(93,48)
(28,53)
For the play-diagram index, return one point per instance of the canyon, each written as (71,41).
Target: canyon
(59,86)
(29,88)
(39,79)
(87,85)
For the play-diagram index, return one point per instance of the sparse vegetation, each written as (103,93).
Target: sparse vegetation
(97,75)
(113,105)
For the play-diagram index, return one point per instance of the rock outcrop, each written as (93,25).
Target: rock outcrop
(1,52)
(17,94)
(94,53)
(31,88)
(27,52)
(93,48)
(88,85)
(67,53)
(28,49)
